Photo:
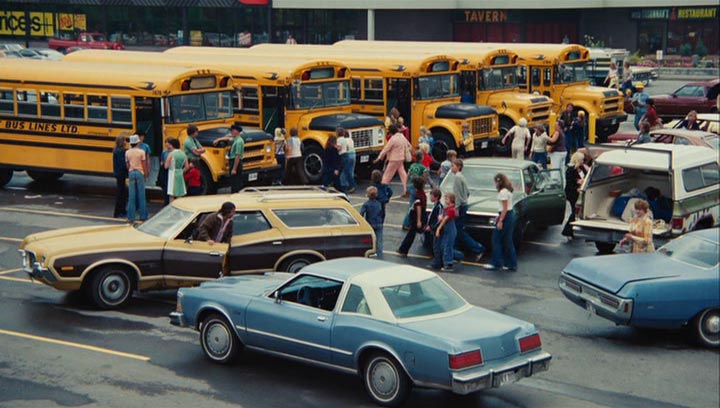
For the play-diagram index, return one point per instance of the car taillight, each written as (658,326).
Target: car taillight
(677,223)
(469,359)
(572,285)
(609,301)
(366,239)
(530,343)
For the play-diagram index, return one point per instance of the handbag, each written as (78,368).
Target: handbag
(408,153)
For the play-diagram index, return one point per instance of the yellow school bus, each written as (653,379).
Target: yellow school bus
(487,77)
(61,117)
(425,89)
(560,72)
(310,95)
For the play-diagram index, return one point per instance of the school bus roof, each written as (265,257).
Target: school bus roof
(236,64)
(542,52)
(461,51)
(96,75)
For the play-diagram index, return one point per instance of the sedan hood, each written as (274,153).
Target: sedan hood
(494,333)
(612,272)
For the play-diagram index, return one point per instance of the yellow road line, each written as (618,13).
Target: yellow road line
(23,280)
(62,214)
(429,257)
(76,345)
(10,239)
(10,271)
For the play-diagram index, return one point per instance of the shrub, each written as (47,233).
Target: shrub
(700,48)
(635,58)
(686,50)
(591,42)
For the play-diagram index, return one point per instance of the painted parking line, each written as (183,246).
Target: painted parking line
(10,239)
(75,345)
(482,265)
(10,271)
(61,214)
(23,280)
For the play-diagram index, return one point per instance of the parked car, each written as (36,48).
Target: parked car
(538,196)
(275,229)
(709,122)
(674,287)
(396,326)
(680,182)
(672,136)
(30,53)
(49,53)
(84,40)
(11,47)
(697,96)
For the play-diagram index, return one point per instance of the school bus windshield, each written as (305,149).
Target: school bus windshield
(319,95)
(438,86)
(498,78)
(200,107)
(573,72)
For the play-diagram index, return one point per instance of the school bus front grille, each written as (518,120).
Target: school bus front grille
(481,126)
(257,154)
(612,106)
(362,137)
(540,114)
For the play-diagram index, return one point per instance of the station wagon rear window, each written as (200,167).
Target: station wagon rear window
(315,217)
(700,177)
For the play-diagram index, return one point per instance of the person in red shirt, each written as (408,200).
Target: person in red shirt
(651,115)
(192,178)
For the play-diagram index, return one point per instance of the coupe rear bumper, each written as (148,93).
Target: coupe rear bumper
(484,378)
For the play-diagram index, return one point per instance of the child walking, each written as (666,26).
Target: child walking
(192,178)
(372,211)
(445,235)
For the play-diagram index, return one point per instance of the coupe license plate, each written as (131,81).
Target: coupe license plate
(364,158)
(252,177)
(484,145)
(590,308)
(507,377)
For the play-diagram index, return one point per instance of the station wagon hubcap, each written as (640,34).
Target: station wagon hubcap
(217,339)
(114,288)
(383,379)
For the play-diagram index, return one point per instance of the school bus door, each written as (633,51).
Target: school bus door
(398,96)
(273,108)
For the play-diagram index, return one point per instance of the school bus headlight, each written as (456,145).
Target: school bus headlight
(268,149)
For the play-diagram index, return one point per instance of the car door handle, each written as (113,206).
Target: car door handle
(214,253)
(321,318)
(277,242)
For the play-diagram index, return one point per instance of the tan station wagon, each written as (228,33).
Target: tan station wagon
(275,229)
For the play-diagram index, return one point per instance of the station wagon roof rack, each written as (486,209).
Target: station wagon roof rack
(268,189)
(304,196)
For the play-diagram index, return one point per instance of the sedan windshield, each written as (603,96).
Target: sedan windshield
(482,178)
(428,297)
(319,95)
(569,73)
(200,107)
(692,250)
(165,223)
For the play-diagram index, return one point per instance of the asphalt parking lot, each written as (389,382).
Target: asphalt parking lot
(57,350)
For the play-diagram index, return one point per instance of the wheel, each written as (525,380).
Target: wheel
(296,263)
(385,380)
(5,176)
(707,327)
(504,149)
(111,287)
(603,133)
(44,176)
(218,340)
(207,183)
(605,248)
(313,162)
(443,142)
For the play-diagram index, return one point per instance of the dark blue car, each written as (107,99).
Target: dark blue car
(676,286)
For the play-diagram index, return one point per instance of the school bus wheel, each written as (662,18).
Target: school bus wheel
(5,176)
(44,176)
(206,181)
(313,161)
(443,142)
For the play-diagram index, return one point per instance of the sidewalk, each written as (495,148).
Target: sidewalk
(670,72)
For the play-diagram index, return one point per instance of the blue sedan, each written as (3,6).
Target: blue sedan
(676,286)
(396,326)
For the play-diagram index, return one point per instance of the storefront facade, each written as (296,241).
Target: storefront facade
(245,22)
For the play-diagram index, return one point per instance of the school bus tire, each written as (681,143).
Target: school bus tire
(603,133)
(206,181)
(504,149)
(313,162)
(5,176)
(443,142)
(44,176)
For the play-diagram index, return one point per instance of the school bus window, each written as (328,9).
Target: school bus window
(191,108)
(97,108)
(522,77)
(249,100)
(499,78)
(569,73)
(311,96)
(536,76)
(216,104)
(355,89)
(49,105)
(7,101)
(74,106)
(374,89)
(27,103)
(121,109)
(547,76)
(437,86)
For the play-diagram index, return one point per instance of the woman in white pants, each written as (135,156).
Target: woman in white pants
(521,139)
(559,151)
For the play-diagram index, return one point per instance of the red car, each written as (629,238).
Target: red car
(673,136)
(697,96)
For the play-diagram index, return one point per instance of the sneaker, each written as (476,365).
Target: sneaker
(351,190)
(402,254)
(490,268)
(505,268)
(479,256)
(447,269)
(431,266)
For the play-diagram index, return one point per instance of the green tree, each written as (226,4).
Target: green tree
(686,50)
(700,48)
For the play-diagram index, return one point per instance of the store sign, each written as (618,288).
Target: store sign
(686,13)
(485,16)
(651,14)
(18,23)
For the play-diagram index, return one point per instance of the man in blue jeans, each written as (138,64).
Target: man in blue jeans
(461,191)
(138,171)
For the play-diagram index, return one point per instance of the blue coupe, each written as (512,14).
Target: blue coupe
(394,325)
(676,286)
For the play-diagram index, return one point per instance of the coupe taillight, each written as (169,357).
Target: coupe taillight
(464,360)
(531,342)
(677,223)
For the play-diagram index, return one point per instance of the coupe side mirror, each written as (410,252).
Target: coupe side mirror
(189,240)
(276,296)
